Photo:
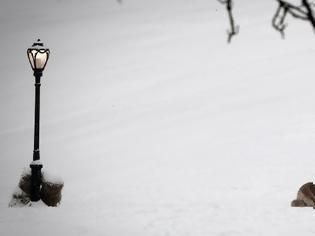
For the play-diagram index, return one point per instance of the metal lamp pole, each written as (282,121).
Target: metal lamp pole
(38,57)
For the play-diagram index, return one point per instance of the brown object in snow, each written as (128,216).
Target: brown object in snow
(25,183)
(51,193)
(305,196)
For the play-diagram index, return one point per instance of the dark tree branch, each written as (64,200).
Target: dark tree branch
(310,14)
(303,12)
(234,29)
(279,24)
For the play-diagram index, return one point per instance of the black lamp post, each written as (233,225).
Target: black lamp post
(38,57)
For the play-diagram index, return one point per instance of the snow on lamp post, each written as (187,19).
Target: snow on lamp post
(38,57)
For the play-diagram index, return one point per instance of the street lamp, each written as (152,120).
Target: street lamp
(38,57)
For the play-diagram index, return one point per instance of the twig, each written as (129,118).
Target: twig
(234,29)
(302,12)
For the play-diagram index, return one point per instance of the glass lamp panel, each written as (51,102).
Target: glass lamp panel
(31,58)
(40,59)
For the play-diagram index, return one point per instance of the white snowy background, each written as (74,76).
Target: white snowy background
(156,125)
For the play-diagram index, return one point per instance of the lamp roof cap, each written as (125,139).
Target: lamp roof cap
(39,45)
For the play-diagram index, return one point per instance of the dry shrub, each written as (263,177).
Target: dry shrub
(50,190)
(51,193)
(25,183)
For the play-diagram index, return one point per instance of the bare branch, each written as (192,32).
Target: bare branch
(310,14)
(278,19)
(234,29)
(302,12)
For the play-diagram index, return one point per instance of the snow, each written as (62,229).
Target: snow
(52,178)
(37,162)
(156,125)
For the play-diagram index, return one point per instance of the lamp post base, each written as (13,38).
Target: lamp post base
(36,180)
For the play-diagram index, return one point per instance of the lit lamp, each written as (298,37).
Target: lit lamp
(38,57)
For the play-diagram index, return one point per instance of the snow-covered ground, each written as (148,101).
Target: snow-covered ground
(156,125)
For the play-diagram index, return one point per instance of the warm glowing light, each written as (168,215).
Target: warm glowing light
(38,56)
